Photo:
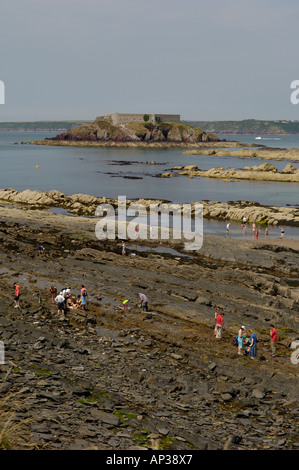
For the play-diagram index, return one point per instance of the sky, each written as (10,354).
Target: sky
(205,60)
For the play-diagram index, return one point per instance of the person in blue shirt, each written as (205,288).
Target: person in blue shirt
(253,345)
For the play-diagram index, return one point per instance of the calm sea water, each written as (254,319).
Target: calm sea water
(113,172)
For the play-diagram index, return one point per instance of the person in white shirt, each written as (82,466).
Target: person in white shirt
(143,302)
(59,299)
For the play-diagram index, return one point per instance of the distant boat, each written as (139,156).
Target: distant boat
(257,138)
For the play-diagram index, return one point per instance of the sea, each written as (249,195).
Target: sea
(130,172)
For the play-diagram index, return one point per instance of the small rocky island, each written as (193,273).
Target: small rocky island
(133,130)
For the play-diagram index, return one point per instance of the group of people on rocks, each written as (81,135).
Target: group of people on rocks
(63,298)
(245,343)
(143,302)
(255,230)
(242,341)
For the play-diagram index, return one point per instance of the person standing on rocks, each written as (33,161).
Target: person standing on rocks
(83,297)
(282,232)
(17,293)
(59,299)
(40,299)
(217,310)
(123,251)
(273,339)
(241,340)
(253,345)
(66,295)
(227,230)
(40,250)
(143,301)
(53,292)
(219,325)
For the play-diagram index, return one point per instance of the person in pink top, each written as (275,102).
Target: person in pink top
(273,339)
(83,297)
(17,295)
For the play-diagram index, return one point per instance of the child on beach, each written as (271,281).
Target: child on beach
(227,230)
(273,339)
(83,297)
(17,295)
(53,292)
(241,340)
(217,310)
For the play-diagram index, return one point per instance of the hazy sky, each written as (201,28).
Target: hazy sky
(205,60)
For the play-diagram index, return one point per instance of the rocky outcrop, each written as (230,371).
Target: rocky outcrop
(254,212)
(264,172)
(76,203)
(84,204)
(267,153)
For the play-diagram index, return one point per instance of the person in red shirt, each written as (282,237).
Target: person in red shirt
(273,338)
(219,325)
(17,295)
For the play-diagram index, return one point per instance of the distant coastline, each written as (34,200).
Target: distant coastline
(40,126)
(244,127)
(248,127)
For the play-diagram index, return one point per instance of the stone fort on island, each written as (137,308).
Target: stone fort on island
(122,118)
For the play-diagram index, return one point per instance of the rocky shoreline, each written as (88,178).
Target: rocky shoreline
(83,204)
(264,172)
(138,144)
(266,153)
(129,380)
